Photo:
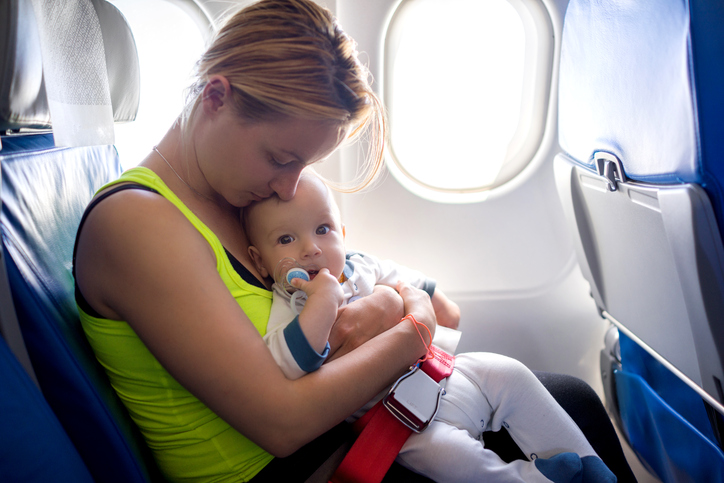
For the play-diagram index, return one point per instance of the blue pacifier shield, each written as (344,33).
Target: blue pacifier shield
(297,273)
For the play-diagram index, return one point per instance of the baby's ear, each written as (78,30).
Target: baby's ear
(256,258)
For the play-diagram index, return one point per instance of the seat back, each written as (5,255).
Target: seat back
(641,113)
(34,446)
(45,189)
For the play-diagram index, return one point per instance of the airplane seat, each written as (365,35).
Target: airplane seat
(48,178)
(641,117)
(35,447)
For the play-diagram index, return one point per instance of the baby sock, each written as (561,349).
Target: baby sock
(570,468)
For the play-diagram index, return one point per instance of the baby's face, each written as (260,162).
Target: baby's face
(306,228)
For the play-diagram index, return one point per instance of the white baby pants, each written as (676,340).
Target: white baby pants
(486,392)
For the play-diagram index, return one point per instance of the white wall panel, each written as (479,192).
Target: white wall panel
(508,261)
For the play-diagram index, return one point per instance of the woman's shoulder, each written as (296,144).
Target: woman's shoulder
(133,219)
(133,232)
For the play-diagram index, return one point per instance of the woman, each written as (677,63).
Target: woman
(168,296)
(280,88)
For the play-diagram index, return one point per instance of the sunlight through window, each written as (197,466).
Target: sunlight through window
(168,43)
(454,85)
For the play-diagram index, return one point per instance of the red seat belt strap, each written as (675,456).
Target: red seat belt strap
(383,435)
(374,450)
(441,366)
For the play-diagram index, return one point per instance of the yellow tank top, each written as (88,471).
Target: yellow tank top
(189,442)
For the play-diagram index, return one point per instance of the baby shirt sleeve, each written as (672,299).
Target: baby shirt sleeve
(387,272)
(288,344)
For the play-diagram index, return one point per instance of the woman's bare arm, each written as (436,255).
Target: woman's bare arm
(366,318)
(140,260)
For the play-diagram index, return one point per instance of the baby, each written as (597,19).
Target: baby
(485,391)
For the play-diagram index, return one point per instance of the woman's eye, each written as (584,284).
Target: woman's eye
(285,239)
(274,161)
(322,230)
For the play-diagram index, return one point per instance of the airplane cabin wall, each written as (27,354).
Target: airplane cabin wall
(507,261)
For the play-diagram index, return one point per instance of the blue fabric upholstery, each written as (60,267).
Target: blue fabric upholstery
(34,448)
(44,192)
(665,421)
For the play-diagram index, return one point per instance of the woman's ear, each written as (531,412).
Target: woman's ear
(256,258)
(216,93)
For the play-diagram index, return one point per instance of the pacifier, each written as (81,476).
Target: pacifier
(286,270)
(297,272)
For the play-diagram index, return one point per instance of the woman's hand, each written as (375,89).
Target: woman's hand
(418,303)
(368,317)
(362,320)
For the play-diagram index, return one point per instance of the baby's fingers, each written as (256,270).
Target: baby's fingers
(299,283)
(306,285)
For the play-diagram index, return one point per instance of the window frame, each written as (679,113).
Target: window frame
(537,82)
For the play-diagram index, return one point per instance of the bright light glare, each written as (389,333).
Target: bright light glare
(455,90)
(168,43)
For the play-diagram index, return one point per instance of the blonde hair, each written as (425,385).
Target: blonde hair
(290,58)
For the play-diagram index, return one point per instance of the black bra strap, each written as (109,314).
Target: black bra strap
(243,272)
(98,199)
(79,298)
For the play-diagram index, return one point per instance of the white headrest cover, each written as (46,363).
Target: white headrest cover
(82,54)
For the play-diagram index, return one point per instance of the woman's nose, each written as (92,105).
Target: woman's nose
(285,184)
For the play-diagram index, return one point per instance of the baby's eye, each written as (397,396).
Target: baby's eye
(322,230)
(285,239)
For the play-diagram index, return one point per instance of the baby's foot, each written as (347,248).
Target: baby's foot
(570,468)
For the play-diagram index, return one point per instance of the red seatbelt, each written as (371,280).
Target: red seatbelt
(382,434)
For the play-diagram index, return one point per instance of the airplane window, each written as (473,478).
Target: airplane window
(466,93)
(168,43)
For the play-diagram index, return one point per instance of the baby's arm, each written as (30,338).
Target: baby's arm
(324,296)
(447,312)
(387,272)
(299,344)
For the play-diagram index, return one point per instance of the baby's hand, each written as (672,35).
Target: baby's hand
(446,311)
(324,296)
(323,288)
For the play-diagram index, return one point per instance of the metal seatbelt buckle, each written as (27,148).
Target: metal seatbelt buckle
(414,399)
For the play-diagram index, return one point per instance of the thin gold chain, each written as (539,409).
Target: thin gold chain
(155,148)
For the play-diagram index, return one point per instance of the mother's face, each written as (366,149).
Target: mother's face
(247,161)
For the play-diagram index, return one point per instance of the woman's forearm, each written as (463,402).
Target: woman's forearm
(366,318)
(320,400)
(360,374)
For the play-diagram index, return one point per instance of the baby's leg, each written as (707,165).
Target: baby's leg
(490,391)
(445,453)
(498,391)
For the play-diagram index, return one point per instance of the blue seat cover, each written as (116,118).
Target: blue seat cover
(665,421)
(643,81)
(44,192)
(33,447)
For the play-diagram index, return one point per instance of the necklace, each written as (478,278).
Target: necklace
(155,148)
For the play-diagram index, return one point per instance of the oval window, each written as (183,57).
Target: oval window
(467,94)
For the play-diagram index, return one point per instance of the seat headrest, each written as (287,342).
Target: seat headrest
(24,82)
(642,80)
(625,86)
